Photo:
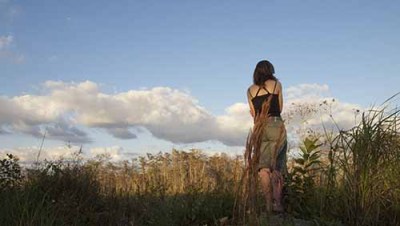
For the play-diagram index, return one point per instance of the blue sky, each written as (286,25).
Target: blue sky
(206,48)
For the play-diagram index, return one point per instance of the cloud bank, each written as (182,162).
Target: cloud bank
(29,155)
(66,111)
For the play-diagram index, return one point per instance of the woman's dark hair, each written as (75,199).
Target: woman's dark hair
(263,72)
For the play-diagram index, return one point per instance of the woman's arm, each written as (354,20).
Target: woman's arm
(249,97)
(280,96)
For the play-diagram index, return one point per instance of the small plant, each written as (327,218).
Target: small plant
(300,182)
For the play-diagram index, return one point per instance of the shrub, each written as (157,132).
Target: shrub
(10,172)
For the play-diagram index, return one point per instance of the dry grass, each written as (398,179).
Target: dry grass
(357,184)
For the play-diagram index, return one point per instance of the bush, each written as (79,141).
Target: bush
(10,172)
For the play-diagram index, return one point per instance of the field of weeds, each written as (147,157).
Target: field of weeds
(347,178)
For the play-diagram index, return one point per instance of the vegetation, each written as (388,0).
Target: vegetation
(347,179)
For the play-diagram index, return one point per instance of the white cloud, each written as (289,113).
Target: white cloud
(310,108)
(36,114)
(115,153)
(169,114)
(7,49)
(29,155)
(5,41)
(62,130)
(235,124)
(306,91)
(122,133)
(3,131)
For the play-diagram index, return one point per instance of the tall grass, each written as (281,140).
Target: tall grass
(369,163)
(358,181)
(351,180)
(177,188)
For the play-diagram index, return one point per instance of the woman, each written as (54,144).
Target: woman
(269,133)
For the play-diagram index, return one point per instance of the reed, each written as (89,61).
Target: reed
(177,188)
(369,163)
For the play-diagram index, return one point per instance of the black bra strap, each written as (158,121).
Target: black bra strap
(258,91)
(274,87)
(265,89)
(249,93)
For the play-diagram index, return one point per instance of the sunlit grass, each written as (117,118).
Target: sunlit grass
(351,178)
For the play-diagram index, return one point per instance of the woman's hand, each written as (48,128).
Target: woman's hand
(249,97)
(252,113)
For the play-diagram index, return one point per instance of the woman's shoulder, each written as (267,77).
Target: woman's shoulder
(253,88)
(278,85)
(273,85)
(273,81)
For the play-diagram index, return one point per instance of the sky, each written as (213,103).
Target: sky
(131,77)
